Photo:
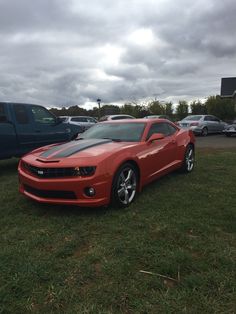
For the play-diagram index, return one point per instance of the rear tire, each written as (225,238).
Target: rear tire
(189,159)
(124,186)
(205,131)
(228,134)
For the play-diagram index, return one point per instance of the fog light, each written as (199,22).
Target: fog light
(89,191)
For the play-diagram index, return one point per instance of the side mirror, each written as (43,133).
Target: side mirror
(155,137)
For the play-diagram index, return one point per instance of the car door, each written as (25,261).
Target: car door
(160,154)
(209,123)
(47,127)
(8,140)
(26,135)
(218,126)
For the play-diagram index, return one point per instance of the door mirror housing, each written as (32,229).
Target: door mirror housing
(156,137)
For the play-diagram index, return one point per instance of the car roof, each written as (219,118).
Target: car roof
(139,120)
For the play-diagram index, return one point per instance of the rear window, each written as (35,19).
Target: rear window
(193,118)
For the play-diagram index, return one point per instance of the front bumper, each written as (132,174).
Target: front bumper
(67,191)
(229,131)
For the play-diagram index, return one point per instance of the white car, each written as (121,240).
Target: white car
(116,117)
(84,121)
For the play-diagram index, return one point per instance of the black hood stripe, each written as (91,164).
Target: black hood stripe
(55,149)
(68,150)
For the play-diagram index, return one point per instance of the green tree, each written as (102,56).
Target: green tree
(223,108)
(169,109)
(155,107)
(182,109)
(198,108)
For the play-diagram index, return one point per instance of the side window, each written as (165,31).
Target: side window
(215,119)
(117,118)
(159,128)
(21,114)
(91,120)
(208,118)
(3,117)
(172,129)
(42,115)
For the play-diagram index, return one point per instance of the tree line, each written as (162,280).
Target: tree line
(223,108)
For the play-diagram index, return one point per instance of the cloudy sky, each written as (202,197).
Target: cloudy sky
(64,52)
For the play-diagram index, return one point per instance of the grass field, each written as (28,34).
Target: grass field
(57,259)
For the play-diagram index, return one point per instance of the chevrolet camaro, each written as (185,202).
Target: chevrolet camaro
(109,163)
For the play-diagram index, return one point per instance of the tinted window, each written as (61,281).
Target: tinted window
(127,132)
(42,115)
(209,118)
(91,120)
(81,119)
(163,128)
(3,117)
(118,118)
(172,129)
(21,114)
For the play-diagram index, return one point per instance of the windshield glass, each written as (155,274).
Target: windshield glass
(193,118)
(127,132)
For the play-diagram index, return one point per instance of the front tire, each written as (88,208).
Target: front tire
(189,159)
(124,186)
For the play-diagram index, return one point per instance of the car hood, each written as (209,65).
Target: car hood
(85,150)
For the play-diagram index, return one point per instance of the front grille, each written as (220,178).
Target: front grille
(48,173)
(50,193)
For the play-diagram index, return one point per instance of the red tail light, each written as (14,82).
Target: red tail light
(194,124)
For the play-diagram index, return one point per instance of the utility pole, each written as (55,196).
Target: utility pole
(99,108)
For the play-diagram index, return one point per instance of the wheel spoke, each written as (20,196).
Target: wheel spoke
(131,186)
(121,191)
(126,196)
(129,175)
(122,176)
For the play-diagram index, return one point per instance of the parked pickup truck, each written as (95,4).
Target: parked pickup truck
(24,127)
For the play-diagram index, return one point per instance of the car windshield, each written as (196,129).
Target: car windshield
(193,118)
(127,132)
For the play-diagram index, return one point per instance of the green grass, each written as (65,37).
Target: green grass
(56,259)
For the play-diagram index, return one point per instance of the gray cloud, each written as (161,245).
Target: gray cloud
(60,52)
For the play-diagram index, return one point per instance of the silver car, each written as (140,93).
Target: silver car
(203,124)
(230,129)
(84,121)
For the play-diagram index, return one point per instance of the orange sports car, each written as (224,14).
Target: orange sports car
(109,163)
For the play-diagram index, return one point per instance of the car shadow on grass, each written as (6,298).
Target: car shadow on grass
(9,166)
(48,210)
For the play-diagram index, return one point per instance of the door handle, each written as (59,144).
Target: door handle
(173,141)
(37,131)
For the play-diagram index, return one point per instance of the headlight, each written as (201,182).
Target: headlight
(85,171)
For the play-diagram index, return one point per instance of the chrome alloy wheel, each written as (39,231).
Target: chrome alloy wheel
(126,185)
(189,159)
